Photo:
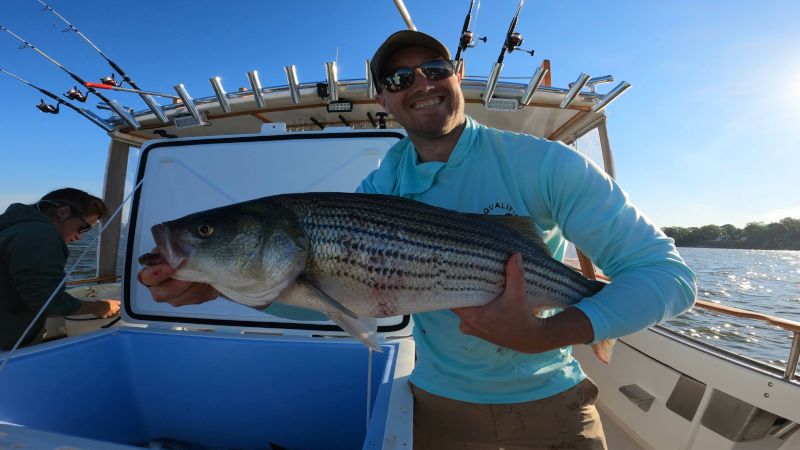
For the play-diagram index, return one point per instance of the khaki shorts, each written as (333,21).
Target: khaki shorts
(568,420)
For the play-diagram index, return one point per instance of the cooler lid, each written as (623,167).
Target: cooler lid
(186,175)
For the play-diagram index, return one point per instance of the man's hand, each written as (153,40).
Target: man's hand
(106,308)
(164,288)
(509,321)
(101,309)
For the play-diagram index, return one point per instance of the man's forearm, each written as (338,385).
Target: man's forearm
(569,327)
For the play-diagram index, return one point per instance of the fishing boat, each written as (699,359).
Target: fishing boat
(220,375)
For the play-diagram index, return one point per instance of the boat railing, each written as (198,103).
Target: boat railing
(784,324)
(97,280)
(585,266)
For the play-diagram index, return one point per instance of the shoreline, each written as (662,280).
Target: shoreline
(733,246)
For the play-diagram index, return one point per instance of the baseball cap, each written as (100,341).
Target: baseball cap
(402,39)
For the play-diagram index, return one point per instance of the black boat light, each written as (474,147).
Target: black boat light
(340,106)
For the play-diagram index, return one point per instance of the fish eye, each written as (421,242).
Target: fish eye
(205,230)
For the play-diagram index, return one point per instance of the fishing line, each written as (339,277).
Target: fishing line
(206,181)
(71,27)
(369,383)
(475,20)
(103,227)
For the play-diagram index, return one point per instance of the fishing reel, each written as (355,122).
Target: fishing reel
(513,41)
(75,94)
(110,81)
(468,38)
(47,108)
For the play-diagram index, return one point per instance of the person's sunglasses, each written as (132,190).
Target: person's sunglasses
(403,78)
(85,227)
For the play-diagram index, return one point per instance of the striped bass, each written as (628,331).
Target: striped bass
(356,257)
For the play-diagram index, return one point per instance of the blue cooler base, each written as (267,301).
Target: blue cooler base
(135,387)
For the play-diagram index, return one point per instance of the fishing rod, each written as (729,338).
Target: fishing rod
(466,39)
(129,119)
(512,42)
(513,39)
(44,107)
(135,91)
(110,81)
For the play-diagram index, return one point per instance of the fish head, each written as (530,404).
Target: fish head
(249,249)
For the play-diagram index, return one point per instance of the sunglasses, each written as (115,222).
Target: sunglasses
(85,227)
(403,78)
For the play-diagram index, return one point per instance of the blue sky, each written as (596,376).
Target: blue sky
(709,133)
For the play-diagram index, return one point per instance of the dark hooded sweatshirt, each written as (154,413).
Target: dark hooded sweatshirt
(32,259)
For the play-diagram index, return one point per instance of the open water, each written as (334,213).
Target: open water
(764,281)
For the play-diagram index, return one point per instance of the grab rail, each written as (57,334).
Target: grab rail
(93,280)
(788,325)
(785,324)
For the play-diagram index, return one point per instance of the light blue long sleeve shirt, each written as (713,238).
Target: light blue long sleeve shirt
(568,197)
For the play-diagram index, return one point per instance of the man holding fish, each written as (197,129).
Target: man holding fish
(494,375)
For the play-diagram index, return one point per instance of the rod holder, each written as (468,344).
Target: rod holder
(372,91)
(575,89)
(593,82)
(129,119)
(96,120)
(219,92)
(332,73)
(611,96)
(155,107)
(188,102)
(255,84)
(294,86)
(491,82)
(536,80)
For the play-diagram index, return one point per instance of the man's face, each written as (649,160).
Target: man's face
(71,226)
(427,108)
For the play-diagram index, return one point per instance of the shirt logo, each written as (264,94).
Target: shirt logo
(499,207)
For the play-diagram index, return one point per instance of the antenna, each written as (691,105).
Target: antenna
(401,8)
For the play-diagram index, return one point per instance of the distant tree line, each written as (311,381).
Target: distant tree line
(782,235)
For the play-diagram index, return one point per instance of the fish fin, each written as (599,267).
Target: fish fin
(325,298)
(253,302)
(521,224)
(365,330)
(604,350)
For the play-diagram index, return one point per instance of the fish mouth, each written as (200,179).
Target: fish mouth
(172,247)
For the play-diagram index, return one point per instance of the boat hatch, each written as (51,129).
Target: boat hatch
(182,176)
